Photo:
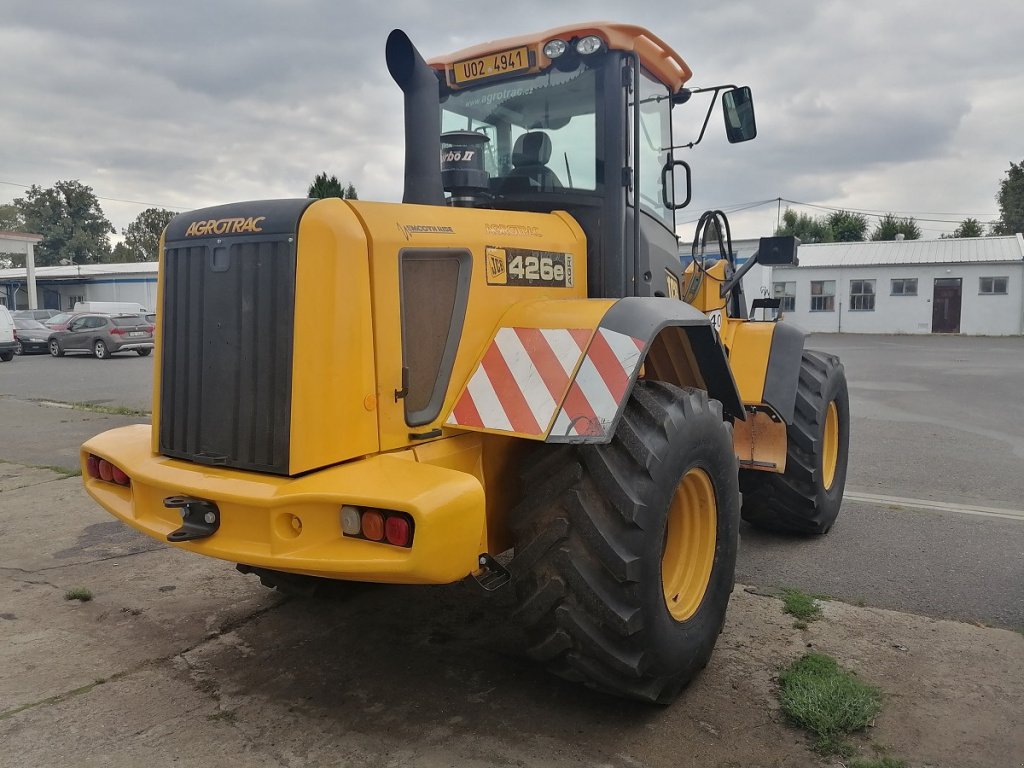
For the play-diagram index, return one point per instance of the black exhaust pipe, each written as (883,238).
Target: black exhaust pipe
(422,120)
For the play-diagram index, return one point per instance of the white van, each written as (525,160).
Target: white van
(111,307)
(7,342)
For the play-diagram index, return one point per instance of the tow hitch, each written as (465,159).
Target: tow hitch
(199,518)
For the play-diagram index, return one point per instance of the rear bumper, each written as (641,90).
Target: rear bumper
(132,345)
(8,346)
(257,511)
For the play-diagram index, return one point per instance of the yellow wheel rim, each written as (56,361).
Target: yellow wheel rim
(830,446)
(689,544)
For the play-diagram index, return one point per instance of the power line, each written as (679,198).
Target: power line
(110,199)
(877,213)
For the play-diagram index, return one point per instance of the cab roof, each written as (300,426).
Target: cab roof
(655,55)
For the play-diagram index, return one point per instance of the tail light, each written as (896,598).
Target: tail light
(101,469)
(381,525)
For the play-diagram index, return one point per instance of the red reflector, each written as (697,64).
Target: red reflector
(106,470)
(397,531)
(92,466)
(120,477)
(373,525)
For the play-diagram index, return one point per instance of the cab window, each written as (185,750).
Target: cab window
(655,142)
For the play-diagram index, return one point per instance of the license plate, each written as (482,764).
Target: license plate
(519,266)
(500,63)
(136,333)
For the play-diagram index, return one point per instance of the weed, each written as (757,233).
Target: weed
(830,702)
(801,605)
(78,593)
(799,624)
(227,715)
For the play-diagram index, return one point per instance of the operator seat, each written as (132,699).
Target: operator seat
(529,165)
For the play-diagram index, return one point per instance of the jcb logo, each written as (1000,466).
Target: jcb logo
(496,266)
(235,226)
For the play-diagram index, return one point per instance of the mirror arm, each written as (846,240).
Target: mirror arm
(731,283)
(714,90)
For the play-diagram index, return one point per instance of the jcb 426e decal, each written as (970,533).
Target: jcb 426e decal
(520,266)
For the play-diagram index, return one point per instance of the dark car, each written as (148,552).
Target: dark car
(31,336)
(103,335)
(35,314)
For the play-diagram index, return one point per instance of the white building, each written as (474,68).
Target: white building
(971,286)
(61,287)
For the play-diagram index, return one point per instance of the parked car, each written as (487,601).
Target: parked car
(35,314)
(103,335)
(7,341)
(59,322)
(31,336)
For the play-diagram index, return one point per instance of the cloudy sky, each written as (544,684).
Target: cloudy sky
(895,105)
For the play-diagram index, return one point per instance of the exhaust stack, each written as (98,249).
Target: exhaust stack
(422,120)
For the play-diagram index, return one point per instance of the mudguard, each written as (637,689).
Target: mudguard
(561,371)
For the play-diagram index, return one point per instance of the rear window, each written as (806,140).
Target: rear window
(25,324)
(130,320)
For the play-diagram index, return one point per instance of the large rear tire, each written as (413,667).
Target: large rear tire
(806,498)
(626,552)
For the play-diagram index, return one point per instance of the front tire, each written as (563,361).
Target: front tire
(805,499)
(55,349)
(19,350)
(625,553)
(99,348)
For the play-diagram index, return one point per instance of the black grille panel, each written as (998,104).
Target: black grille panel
(226,356)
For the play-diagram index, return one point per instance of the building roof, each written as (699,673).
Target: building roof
(960,250)
(83,270)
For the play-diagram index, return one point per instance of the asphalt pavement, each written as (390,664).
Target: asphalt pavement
(933,522)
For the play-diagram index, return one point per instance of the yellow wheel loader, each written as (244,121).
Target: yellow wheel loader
(511,376)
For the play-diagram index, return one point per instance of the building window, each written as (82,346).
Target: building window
(823,295)
(74,300)
(904,286)
(993,285)
(786,294)
(862,295)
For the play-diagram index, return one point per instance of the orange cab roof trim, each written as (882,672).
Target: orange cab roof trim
(655,55)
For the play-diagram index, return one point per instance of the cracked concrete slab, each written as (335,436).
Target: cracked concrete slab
(179,660)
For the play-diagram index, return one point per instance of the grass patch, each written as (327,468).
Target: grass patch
(830,702)
(225,715)
(800,605)
(78,593)
(877,762)
(110,409)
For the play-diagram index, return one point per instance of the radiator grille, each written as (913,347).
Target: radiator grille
(226,357)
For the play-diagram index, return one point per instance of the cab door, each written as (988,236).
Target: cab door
(650,216)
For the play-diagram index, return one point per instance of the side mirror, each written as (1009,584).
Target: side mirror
(738,106)
(778,251)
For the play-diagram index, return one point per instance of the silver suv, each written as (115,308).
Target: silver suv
(103,335)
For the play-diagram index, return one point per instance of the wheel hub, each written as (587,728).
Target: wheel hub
(690,538)
(830,446)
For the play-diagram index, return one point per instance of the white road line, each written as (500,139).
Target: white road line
(941,506)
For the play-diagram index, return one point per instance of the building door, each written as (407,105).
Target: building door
(946,305)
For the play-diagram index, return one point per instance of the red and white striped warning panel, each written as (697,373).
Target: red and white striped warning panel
(525,375)
(601,385)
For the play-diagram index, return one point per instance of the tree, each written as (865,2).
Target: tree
(808,228)
(122,254)
(891,225)
(71,221)
(968,228)
(1011,202)
(11,221)
(142,236)
(847,227)
(325,186)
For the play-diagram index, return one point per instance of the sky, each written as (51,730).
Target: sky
(905,106)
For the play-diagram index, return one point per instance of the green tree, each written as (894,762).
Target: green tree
(847,227)
(142,236)
(809,229)
(11,219)
(1011,202)
(329,186)
(968,228)
(122,254)
(891,225)
(71,221)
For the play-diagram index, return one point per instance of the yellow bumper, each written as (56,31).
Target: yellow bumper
(257,511)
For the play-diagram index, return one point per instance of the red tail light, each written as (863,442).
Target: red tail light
(398,531)
(102,469)
(117,331)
